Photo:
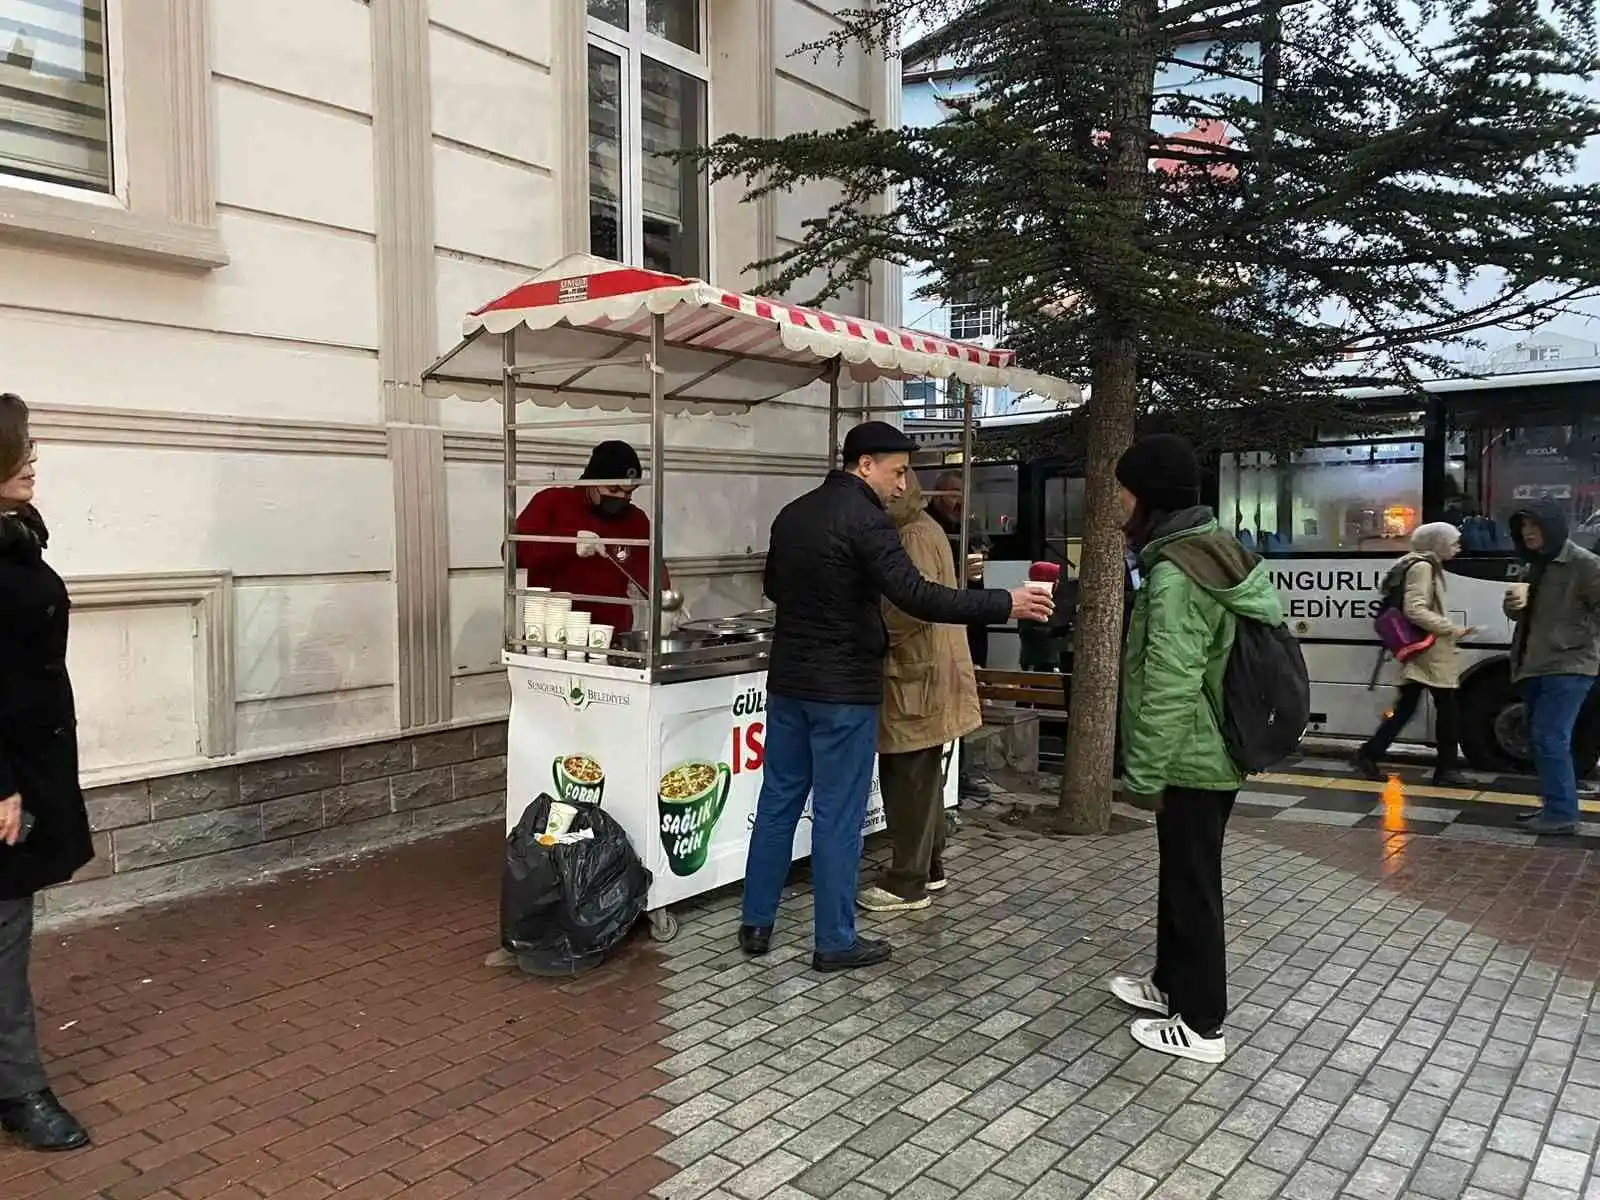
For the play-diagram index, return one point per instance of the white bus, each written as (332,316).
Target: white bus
(1332,519)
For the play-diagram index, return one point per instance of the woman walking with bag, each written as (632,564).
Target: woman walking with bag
(44,827)
(1418,580)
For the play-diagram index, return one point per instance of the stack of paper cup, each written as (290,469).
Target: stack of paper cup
(533,610)
(577,639)
(556,611)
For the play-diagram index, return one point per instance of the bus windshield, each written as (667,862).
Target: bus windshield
(1494,467)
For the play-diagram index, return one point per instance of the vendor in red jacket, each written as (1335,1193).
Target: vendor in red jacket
(592,513)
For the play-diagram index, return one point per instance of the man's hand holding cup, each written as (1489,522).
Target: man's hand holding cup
(975,563)
(1033,601)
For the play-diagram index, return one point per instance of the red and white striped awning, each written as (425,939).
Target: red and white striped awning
(582,327)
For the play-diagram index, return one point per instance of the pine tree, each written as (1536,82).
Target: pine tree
(1385,180)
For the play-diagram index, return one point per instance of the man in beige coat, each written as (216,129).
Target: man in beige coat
(930,700)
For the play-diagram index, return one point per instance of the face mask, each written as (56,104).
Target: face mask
(611,506)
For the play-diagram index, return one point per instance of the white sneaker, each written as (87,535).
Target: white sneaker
(1139,993)
(1173,1037)
(877,899)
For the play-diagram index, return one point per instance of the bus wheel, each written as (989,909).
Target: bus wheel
(1494,724)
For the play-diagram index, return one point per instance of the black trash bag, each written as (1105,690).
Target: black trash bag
(563,908)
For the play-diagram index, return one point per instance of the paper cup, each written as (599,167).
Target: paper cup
(600,641)
(577,631)
(1517,596)
(1042,586)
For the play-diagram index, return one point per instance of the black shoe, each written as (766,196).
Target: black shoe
(865,953)
(1452,779)
(1366,767)
(42,1124)
(976,787)
(936,880)
(755,940)
(1543,826)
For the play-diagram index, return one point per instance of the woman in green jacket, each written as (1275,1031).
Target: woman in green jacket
(1197,583)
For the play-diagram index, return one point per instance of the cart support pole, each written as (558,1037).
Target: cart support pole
(508,405)
(833,415)
(966,481)
(658,499)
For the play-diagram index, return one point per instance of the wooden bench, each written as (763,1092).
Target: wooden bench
(1030,689)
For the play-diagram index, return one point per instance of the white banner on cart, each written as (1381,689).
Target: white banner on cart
(712,758)
(678,766)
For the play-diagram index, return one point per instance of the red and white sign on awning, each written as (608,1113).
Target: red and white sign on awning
(582,329)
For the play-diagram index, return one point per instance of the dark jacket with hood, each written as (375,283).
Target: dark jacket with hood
(1197,582)
(38,723)
(1558,632)
(833,558)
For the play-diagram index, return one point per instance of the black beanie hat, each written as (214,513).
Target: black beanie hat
(613,460)
(1162,472)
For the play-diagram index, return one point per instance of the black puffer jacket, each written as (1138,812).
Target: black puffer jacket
(834,556)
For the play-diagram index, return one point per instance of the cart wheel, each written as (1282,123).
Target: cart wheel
(663,926)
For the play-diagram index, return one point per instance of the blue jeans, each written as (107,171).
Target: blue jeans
(1554,702)
(827,750)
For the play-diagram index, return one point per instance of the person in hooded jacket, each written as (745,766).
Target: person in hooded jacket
(1419,580)
(44,824)
(1555,654)
(1196,583)
(930,699)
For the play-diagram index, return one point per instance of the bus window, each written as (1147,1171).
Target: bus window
(1502,467)
(1064,499)
(1340,497)
(993,499)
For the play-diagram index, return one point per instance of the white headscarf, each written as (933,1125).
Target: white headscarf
(1436,538)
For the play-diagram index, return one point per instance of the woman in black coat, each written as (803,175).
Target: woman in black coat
(44,828)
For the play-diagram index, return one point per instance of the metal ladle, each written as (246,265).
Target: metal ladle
(671,601)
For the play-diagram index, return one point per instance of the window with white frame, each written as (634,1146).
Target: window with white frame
(647,95)
(55,108)
(969,322)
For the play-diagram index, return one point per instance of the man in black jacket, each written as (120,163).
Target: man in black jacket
(833,557)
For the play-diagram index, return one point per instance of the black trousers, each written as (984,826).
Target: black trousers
(1444,703)
(20,1069)
(1191,945)
(913,806)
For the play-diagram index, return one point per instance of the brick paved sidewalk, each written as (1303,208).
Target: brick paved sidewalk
(1413,1017)
(339,1035)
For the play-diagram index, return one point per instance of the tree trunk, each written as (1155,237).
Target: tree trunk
(1086,775)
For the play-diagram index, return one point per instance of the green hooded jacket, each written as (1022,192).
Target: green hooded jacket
(1197,582)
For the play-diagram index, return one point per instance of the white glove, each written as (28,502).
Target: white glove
(589,544)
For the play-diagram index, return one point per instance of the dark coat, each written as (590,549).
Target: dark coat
(38,722)
(833,558)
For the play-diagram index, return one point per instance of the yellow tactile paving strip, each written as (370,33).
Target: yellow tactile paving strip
(1415,791)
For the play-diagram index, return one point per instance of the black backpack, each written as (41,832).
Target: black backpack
(1266,696)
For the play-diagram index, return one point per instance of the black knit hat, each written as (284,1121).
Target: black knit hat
(613,460)
(1162,472)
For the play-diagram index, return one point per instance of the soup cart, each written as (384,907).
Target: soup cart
(666,730)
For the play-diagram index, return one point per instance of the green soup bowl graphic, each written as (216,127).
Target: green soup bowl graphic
(579,778)
(690,798)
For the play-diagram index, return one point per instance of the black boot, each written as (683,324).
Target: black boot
(1367,767)
(865,953)
(42,1124)
(755,940)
